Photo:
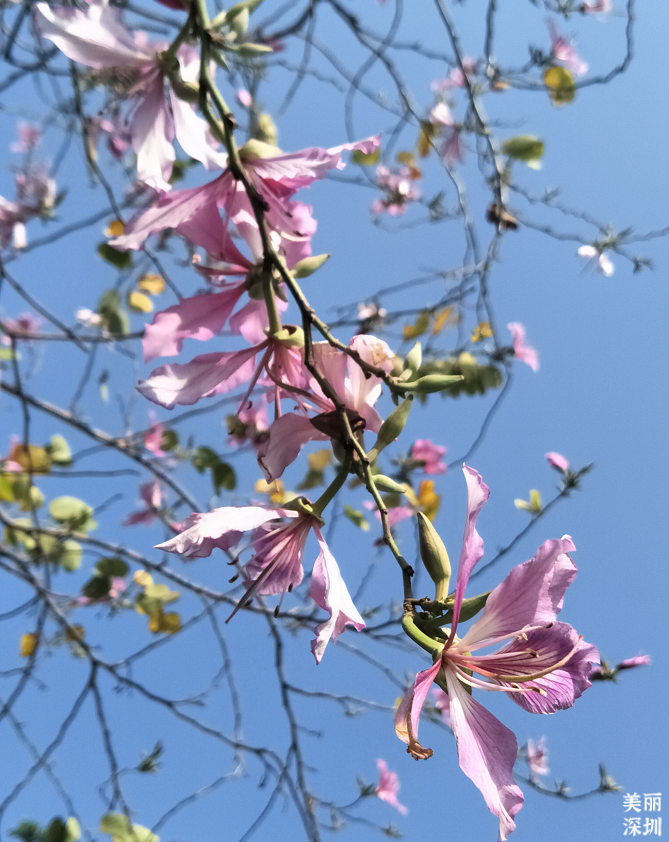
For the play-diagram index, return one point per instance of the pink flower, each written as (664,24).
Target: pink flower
(399,190)
(154,436)
(456,78)
(244,98)
(388,787)
(520,349)
(289,433)
(430,455)
(25,323)
(565,53)
(599,7)
(451,151)
(443,705)
(194,213)
(602,262)
(98,38)
(537,757)
(152,496)
(278,538)
(636,661)
(555,460)
(28,139)
(396,514)
(543,667)
(249,425)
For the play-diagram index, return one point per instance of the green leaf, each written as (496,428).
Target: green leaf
(119,259)
(97,587)
(111,567)
(203,458)
(223,476)
(364,160)
(524,147)
(357,517)
(69,555)
(60,831)
(59,451)
(180,168)
(6,488)
(72,512)
(250,50)
(120,829)
(28,832)
(113,316)
(313,478)
(169,440)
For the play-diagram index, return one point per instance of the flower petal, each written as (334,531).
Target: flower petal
(408,713)
(487,751)
(329,592)
(287,436)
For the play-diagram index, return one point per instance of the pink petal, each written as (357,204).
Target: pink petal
(152,132)
(409,711)
(287,436)
(555,460)
(219,528)
(194,136)
(487,751)
(636,661)
(389,787)
(200,317)
(472,543)
(203,376)
(531,595)
(329,592)
(244,98)
(524,352)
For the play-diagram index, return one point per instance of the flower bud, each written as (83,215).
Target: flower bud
(391,427)
(434,556)
(413,359)
(429,383)
(307,266)
(388,484)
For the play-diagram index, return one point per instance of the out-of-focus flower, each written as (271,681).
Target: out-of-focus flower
(456,78)
(29,136)
(521,350)
(636,661)
(533,505)
(370,316)
(88,318)
(565,53)
(599,7)
(430,455)
(442,704)
(399,188)
(602,262)
(244,98)
(249,425)
(153,498)
(537,757)
(154,436)
(25,323)
(555,460)
(389,786)
(396,514)
(451,150)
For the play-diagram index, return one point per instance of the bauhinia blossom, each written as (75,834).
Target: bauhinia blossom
(565,53)
(602,263)
(98,38)
(430,455)
(521,350)
(543,666)
(557,461)
(152,497)
(389,786)
(278,537)
(399,188)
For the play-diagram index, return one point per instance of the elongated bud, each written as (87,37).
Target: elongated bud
(389,485)
(429,383)
(308,265)
(434,556)
(413,359)
(391,427)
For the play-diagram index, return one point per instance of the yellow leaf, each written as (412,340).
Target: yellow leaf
(32,458)
(417,328)
(114,229)
(560,84)
(429,499)
(274,490)
(320,459)
(424,144)
(153,284)
(142,578)
(406,158)
(28,644)
(443,319)
(482,331)
(169,623)
(139,302)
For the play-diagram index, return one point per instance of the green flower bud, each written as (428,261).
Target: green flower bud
(434,556)
(413,359)
(391,427)
(308,266)
(388,484)
(429,383)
